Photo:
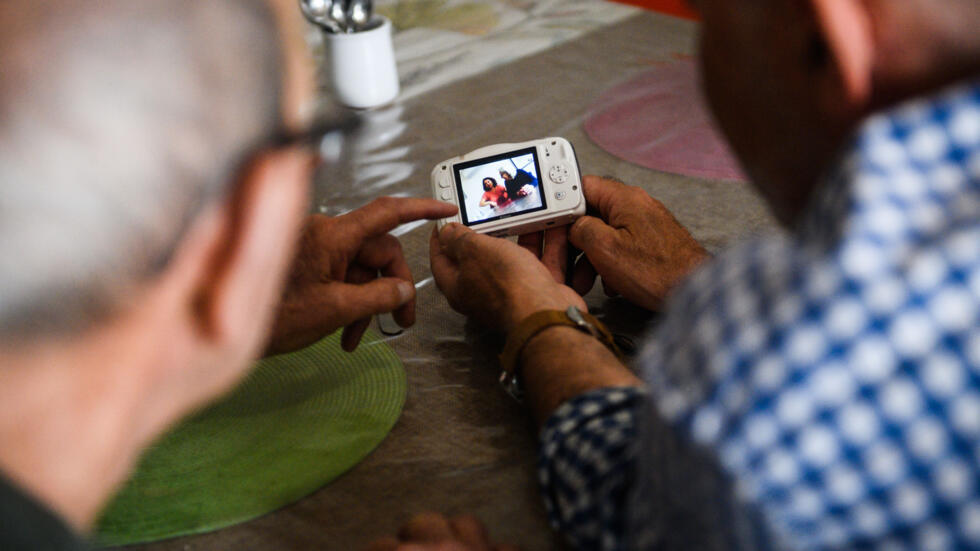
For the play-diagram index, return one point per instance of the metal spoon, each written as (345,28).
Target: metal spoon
(359,13)
(318,12)
(338,13)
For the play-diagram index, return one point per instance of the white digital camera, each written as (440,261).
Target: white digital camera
(512,189)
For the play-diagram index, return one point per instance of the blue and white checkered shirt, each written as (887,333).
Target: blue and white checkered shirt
(825,384)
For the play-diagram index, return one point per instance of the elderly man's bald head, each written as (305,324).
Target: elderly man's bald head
(117,120)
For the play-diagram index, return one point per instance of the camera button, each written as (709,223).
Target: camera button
(443,183)
(445,195)
(558,174)
(560,195)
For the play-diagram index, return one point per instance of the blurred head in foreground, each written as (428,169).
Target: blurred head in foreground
(143,243)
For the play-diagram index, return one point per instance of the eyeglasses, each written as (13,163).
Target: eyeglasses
(312,136)
(318,136)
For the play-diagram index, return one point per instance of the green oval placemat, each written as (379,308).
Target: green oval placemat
(295,423)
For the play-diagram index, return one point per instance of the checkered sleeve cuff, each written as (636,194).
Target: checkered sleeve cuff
(585,465)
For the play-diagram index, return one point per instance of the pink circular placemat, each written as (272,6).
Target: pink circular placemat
(658,120)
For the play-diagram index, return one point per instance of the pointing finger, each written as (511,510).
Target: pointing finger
(387,213)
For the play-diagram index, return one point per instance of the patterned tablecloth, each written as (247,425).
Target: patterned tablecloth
(441,41)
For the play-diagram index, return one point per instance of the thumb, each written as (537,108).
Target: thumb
(590,234)
(458,241)
(381,295)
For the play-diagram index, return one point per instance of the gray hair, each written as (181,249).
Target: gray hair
(118,121)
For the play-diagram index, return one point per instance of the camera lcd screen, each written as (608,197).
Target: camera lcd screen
(501,186)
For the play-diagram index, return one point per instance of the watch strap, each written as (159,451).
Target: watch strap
(538,322)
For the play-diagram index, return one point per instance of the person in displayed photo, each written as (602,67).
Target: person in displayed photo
(519,185)
(494,194)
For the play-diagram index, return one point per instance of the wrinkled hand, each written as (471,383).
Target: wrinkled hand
(434,532)
(635,244)
(349,268)
(497,281)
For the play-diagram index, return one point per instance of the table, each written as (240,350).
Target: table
(462,445)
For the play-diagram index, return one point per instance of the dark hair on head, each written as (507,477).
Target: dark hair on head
(493,183)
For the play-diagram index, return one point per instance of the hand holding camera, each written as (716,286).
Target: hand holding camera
(496,280)
(633,242)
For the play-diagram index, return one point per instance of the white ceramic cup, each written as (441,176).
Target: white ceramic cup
(362,65)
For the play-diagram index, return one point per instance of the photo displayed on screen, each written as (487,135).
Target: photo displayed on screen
(498,187)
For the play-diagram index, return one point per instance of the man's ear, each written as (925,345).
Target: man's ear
(844,27)
(262,221)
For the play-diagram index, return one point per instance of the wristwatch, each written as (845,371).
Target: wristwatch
(536,323)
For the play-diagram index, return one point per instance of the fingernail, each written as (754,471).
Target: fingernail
(405,291)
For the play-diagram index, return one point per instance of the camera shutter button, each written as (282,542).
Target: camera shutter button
(446,195)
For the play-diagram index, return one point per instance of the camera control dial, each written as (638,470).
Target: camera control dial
(558,174)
